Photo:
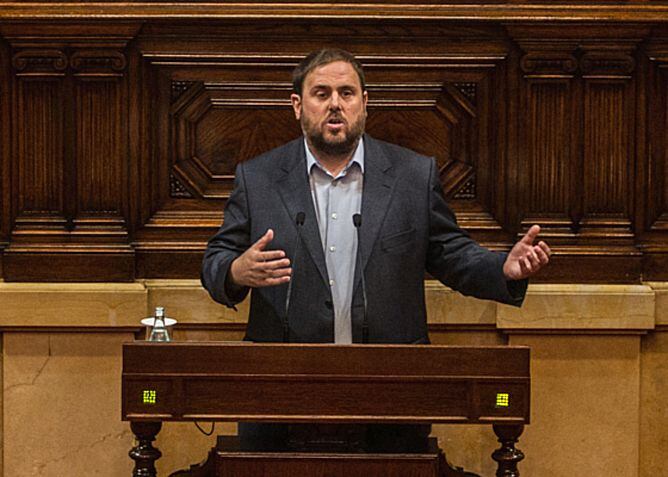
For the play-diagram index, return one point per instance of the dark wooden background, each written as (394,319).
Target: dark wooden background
(122,124)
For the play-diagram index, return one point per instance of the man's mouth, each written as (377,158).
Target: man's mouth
(335,123)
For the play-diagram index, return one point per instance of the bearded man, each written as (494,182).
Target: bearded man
(292,225)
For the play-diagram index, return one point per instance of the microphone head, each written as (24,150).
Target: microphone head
(357,220)
(301,217)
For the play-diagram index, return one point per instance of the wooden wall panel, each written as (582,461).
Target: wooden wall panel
(124,136)
(654,177)
(580,148)
(68,154)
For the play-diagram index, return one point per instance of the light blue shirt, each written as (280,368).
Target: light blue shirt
(336,200)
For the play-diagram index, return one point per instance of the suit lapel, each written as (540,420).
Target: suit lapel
(293,186)
(376,196)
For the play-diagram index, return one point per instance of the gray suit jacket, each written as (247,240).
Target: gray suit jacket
(407,228)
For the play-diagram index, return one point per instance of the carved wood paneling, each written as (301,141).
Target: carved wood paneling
(217,125)
(657,171)
(230,101)
(653,176)
(549,167)
(68,152)
(122,138)
(580,94)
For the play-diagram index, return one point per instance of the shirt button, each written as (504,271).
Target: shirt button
(332,248)
(334,216)
(331,282)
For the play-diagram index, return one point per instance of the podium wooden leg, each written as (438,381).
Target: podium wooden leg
(508,456)
(144,454)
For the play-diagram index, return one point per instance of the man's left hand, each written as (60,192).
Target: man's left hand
(525,258)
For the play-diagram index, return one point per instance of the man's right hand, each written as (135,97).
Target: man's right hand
(259,268)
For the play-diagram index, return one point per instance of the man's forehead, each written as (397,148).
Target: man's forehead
(340,72)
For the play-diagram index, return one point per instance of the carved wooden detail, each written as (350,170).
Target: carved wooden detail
(180,87)
(608,138)
(469,90)
(40,63)
(606,64)
(98,63)
(548,64)
(548,147)
(177,189)
(467,191)
(213,131)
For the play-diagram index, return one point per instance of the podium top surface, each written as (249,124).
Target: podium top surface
(243,358)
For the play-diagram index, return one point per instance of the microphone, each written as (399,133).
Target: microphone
(357,222)
(299,221)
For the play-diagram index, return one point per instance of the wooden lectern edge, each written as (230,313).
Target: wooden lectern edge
(314,345)
(333,377)
(324,419)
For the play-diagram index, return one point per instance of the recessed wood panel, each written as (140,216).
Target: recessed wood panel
(607,160)
(39,146)
(99,146)
(550,164)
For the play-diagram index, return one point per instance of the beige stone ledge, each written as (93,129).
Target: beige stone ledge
(554,306)
(661,296)
(72,304)
(189,302)
(582,307)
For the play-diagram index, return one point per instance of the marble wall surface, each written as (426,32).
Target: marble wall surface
(599,375)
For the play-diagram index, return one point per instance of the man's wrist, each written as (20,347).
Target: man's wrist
(232,287)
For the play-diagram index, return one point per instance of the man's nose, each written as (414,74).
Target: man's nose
(334,102)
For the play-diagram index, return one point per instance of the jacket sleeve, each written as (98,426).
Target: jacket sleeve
(458,261)
(231,240)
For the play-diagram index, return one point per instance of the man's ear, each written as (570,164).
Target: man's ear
(365,99)
(296,105)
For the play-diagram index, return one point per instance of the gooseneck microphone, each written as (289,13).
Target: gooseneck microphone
(299,222)
(357,222)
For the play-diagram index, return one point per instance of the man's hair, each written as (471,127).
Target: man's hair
(323,57)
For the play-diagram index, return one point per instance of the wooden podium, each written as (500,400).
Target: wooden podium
(313,383)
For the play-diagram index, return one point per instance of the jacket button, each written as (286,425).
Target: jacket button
(329,304)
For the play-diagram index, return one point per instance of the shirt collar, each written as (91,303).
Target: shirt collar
(358,158)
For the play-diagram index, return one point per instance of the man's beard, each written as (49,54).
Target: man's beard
(340,146)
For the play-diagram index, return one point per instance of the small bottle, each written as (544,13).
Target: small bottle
(159,330)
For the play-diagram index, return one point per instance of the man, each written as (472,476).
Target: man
(289,236)
(290,218)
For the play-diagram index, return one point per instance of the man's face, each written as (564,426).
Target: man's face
(332,108)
